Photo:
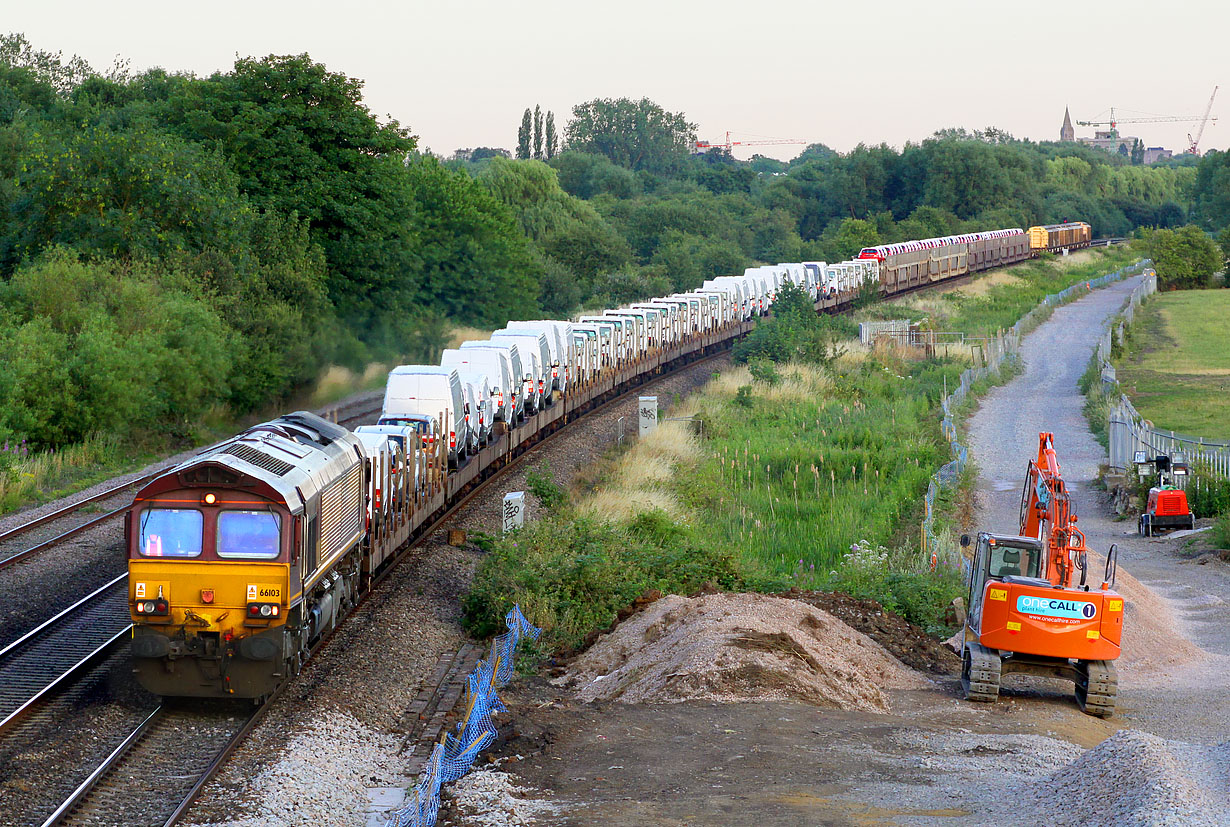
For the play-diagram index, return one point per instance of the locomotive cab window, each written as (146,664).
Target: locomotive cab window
(249,535)
(171,532)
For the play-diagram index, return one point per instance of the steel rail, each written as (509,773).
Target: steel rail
(14,650)
(108,763)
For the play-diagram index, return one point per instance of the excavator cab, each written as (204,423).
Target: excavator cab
(999,557)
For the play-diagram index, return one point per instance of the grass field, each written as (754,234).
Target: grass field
(1177,368)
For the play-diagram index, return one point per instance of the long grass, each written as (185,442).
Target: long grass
(27,476)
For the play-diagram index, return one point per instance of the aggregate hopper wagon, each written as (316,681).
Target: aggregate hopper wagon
(1026,614)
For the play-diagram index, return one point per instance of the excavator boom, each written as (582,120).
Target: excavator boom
(1047,514)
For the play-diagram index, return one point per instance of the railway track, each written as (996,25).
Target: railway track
(106,795)
(190,735)
(61,648)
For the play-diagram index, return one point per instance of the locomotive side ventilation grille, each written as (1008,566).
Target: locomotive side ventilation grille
(341,513)
(255,457)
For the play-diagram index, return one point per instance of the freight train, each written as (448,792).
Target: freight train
(243,558)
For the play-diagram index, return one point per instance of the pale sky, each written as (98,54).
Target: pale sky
(460,74)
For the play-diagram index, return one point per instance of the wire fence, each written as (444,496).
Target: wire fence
(941,549)
(1128,431)
(454,755)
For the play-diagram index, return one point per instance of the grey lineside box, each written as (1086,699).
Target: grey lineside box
(647,413)
(514,510)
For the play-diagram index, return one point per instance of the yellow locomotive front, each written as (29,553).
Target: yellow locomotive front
(220,550)
(208,588)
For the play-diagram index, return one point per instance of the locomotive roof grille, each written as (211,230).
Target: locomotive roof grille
(250,455)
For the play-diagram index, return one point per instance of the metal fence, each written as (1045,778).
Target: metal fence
(941,550)
(1129,432)
(868,331)
(454,755)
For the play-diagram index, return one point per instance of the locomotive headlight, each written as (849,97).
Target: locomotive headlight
(266,610)
(210,499)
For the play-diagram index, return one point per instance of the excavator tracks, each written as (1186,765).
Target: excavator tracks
(1097,686)
(980,673)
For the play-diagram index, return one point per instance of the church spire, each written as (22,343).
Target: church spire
(1066,132)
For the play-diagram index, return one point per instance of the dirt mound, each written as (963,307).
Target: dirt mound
(1133,778)
(738,647)
(1155,649)
(905,641)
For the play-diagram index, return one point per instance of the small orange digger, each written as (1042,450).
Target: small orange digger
(1026,614)
(1167,507)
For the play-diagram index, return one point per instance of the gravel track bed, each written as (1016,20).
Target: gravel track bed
(48,753)
(336,729)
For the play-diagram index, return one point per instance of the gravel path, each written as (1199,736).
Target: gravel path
(338,723)
(1175,646)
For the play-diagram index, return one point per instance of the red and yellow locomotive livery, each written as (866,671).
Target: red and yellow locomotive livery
(241,558)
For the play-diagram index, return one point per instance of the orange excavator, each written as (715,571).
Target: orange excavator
(1027,614)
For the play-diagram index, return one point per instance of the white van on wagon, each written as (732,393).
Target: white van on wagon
(559,339)
(494,365)
(510,356)
(419,395)
(534,344)
(481,405)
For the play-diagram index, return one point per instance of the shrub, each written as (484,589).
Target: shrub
(542,485)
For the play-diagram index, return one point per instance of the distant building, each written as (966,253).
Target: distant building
(1111,141)
(1066,132)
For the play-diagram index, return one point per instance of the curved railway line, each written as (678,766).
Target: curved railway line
(140,748)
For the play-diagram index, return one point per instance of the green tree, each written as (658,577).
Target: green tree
(1211,190)
(523,135)
(302,142)
(552,138)
(135,192)
(1138,153)
(537,133)
(477,265)
(1185,258)
(51,68)
(853,234)
(586,175)
(107,348)
(639,135)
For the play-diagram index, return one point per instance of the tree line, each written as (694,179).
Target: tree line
(172,245)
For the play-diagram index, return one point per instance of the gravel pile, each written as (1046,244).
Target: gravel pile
(321,777)
(487,798)
(738,647)
(1133,778)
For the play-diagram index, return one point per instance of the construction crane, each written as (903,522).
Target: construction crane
(1114,122)
(1027,613)
(705,146)
(1194,143)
